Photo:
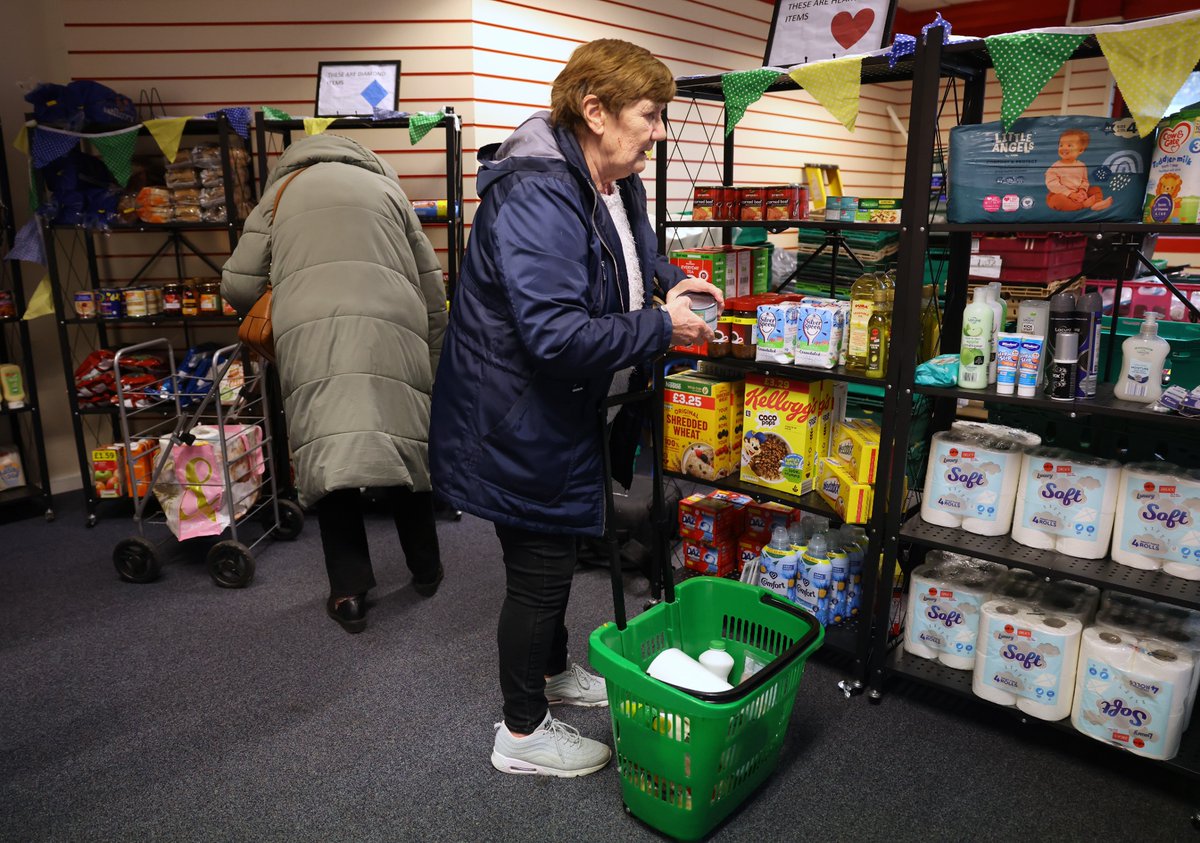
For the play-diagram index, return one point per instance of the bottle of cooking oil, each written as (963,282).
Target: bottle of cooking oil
(879,335)
(862,303)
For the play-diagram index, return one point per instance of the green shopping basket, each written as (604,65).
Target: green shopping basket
(687,759)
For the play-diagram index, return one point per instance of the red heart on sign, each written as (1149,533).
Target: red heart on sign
(848,29)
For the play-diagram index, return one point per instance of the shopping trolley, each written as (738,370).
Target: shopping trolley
(687,759)
(212,470)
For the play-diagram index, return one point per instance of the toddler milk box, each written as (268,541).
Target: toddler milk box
(1173,192)
(1048,169)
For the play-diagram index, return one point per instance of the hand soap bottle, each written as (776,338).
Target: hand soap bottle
(1142,364)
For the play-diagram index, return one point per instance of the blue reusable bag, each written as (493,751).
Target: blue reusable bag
(1048,169)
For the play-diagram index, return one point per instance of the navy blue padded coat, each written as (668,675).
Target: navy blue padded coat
(538,325)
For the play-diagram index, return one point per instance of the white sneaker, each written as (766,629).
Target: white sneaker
(553,749)
(575,686)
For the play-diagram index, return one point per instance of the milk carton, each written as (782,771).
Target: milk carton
(1173,191)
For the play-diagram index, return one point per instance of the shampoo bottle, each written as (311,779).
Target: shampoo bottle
(975,350)
(12,386)
(1141,369)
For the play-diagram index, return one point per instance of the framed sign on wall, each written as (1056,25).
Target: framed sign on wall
(804,31)
(355,89)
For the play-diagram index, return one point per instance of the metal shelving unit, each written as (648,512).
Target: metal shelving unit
(452,125)
(81,271)
(24,423)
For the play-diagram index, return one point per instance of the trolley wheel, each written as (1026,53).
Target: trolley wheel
(136,561)
(91,521)
(230,564)
(291,521)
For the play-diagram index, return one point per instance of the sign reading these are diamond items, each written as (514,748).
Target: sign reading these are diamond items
(352,89)
(804,31)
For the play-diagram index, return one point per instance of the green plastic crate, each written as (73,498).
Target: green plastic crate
(685,762)
(1184,338)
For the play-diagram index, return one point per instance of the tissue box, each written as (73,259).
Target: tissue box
(849,498)
(1048,169)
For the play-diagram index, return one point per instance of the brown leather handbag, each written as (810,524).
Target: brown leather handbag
(255,331)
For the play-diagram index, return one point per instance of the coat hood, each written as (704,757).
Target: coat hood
(322,148)
(534,145)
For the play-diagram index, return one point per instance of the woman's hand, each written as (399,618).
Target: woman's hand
(695,285)
(686,327)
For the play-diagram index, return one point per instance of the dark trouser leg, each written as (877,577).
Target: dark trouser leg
(344,539)
(531,632)
(417,528)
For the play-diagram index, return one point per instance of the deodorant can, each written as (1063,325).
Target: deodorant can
(1089,313)
(1064,368)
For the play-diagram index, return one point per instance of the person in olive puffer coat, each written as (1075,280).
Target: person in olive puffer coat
(358,312)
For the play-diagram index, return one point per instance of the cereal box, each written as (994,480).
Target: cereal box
(781,420)
(696,426)
(707,519)
(716,559)
(849,498)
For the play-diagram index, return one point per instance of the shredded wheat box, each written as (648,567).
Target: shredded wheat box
(696,426)
(781,424)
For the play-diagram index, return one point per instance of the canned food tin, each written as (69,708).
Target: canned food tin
(8,307)
(112,303)
(85,304)
(705,202)
(154,301)
(135,302)
(172,298)
(753,203)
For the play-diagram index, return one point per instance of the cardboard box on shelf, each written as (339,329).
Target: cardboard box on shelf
(716,559)
(850,499)
(696,426)
(702,518)
(782,424)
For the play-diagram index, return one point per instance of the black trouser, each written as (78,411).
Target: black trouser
(344,537)
(532,634)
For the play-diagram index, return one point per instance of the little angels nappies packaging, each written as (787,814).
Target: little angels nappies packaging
(1156,522)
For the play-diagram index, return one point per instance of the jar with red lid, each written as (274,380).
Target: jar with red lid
(741,315)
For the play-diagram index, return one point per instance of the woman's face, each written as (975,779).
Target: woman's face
(627,137)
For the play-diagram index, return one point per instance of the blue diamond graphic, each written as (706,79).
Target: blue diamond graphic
(374,93)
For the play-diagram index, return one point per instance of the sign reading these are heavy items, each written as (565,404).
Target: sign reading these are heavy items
(804,31)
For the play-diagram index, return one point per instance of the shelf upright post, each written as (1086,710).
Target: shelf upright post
(260,138)
(454,209)
(660,189)
(727,172)
(898,397)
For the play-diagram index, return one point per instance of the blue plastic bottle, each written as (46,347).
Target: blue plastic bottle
(854,540)
(777,565)
(839,564)
(813,578)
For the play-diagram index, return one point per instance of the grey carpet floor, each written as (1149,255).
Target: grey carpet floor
(178,711)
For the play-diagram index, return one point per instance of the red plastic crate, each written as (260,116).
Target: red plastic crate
(1036,258)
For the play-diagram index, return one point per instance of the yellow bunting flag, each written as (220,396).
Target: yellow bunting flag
(167,132)
(1150,65)
(21,141)
(40,303)
(316,125)
(834,84)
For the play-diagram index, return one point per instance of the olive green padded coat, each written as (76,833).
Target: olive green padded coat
(358,311)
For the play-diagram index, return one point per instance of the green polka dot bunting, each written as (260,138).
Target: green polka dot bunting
(742,88)
(1024,64)
(421,123)
(1150,65)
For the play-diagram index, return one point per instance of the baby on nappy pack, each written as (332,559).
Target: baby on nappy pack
(1067,178)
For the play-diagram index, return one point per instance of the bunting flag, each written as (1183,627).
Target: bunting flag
(420,123)
(21,141)
(40,303)
(238,117)
(116,151)
(167,132)
(50,144)
(378,113)
(1150,64)
(903,45)
(316,125)
(834,84)
(742,89)
(270,113)
(27,245)
(1024,63)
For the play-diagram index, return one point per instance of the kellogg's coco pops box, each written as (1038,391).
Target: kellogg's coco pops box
(781,431)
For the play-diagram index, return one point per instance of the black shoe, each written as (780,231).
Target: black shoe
(428,588)
(351,612)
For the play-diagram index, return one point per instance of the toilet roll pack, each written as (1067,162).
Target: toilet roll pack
(1066,502)
(944,598)
(1158,519)
(1132,693)
(972,477)
(1028,648)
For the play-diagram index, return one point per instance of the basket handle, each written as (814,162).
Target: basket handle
(769,672)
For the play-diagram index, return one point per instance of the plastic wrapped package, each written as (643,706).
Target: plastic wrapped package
(191,485)
(181,177)
(214,213)
(185,195)
(945,594)
(207,156)
(187,213)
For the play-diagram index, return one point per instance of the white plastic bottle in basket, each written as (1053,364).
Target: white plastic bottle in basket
(717,660)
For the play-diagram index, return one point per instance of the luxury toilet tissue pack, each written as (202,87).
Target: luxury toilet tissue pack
(944,597)
(972,477)
(1028,648)
(1066,502)
(1132,692)
(1158,505)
